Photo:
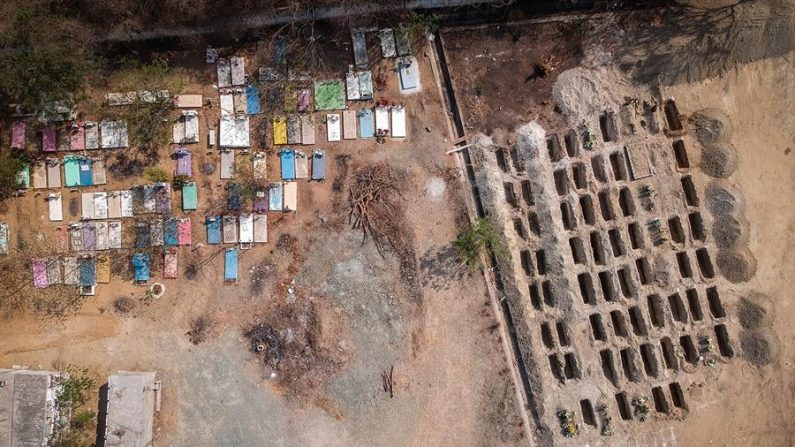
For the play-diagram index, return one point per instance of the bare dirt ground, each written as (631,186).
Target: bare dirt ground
(731,62)
(354,313)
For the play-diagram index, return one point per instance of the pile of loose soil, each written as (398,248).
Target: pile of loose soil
(713,127)
(759,347)
(720,161)
(729,232)
(723,200)
(754,311)
(737,265)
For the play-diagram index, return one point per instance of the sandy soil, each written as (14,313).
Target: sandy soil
(452,383)
(735,60)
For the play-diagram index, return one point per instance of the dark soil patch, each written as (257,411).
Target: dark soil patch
(758,347)
(713,127)
(736,265)
(719,162)
(728,232)
(123,305)
(723,200)
(200,329)
(754,311)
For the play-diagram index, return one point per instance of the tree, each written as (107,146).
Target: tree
(480,235)
(43,59)
(10,165)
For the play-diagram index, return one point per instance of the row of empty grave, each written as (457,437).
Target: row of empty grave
(612,268)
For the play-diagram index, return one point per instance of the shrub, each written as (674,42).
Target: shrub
(480,235)
(155,174)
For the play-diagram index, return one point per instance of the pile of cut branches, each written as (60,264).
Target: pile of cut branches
(373,207)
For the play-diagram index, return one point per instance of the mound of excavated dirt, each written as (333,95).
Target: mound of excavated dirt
(759,347)
(719,161)
(737,265)
(728,232)
(581,92)
(713,127)
(754,311)
(723,200)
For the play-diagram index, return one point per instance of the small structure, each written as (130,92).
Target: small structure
(71,276)
(77,136)
(61,239)
(227,164)
(184,161)
(252,100)
(88,275)
(329,95)
(114,234)
(102,235)
(387,42)
(126,203)
(230,229)
(103,269)
(293,129)
(132,400)
(100,205)
(23,177)
(186,128)
(38,267)
(28,410)
(403,42)
(352,86)
(398,122)
(142,235)
(234,131)
(246,230)
(189,101)
(366,123)
(54,275)
(170,264)
(113,134)
(279,130)
(87,208)
(409,73)
(349,124)
(171,232)
(301,165)
(304,103)
(260,228)
(359,49)
(92,135)
(55,206)
(89,231)
(318,165)
(140,262)
(184,231)
(290,196)
(275,201)
(230,266)
(49,139)
(98,174)
(76,236)
(333,127)
(39,175)
(366,85)
(287,158)
(3,238)
(53,173)
(227,104)
(260,202)
(213,225)
(259,165)
(190,197)
(307,129)
(18,138)
(162,192)
(233,200)
(224,73)
(86,175)
(238,70)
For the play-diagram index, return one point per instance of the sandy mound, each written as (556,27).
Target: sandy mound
(728,232)
(754,311)
(713,127)
(723,200)
(581,93)
(719,162)
(759,347)
(737,265)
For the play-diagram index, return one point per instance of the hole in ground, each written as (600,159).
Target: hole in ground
(656,312)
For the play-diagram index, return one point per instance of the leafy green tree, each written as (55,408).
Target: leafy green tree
(10,165)
(155,174)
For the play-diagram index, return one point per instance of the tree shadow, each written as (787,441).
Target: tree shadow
(689,44)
